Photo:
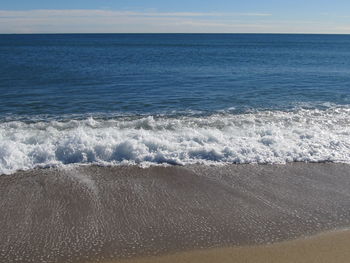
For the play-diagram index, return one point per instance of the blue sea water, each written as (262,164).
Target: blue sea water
(173,98)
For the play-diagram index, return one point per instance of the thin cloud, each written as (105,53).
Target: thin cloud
(153,21)
(108,13)
(333,15)
(209,14)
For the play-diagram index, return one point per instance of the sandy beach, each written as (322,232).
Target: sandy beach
(182,214)
(324,248)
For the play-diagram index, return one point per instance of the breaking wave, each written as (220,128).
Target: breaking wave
(308,135)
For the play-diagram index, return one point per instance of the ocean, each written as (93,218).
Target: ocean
(175,99)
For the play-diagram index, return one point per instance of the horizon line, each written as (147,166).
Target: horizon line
(175,33)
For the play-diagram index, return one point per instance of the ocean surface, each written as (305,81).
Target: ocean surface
(146,99)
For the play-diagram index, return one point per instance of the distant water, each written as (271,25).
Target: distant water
(173,98)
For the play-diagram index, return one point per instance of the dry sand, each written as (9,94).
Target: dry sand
(325,248)
(99,214)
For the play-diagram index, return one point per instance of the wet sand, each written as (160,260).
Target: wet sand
(99,214)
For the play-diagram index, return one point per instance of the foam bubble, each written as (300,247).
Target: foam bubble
(262,137)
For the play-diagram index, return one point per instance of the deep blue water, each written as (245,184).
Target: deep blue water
(144,99)
(81,74)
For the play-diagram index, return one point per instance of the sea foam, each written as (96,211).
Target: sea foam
(308,135)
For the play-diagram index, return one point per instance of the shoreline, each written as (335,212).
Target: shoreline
(108,214)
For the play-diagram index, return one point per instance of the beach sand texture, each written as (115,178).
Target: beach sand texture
(102,214)
(325,248)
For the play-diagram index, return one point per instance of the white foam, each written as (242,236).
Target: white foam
(262,137)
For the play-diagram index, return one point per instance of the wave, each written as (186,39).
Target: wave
(307,135)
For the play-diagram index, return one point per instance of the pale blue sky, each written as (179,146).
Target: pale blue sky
(138,16)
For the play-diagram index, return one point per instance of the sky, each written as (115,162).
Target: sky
(176,16)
